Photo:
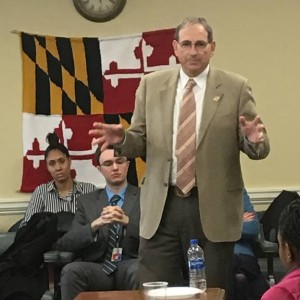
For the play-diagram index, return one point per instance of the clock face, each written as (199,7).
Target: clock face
(99,10)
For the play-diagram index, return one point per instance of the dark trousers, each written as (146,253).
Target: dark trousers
(80,276)
(163,257)
(248,283)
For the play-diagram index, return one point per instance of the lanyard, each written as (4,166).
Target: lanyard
(120,231)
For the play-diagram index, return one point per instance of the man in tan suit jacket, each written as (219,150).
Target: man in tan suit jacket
(227,123)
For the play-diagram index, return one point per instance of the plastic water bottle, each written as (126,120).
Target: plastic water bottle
(271,280)
(196,262)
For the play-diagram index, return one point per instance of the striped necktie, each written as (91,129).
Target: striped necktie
(108,265)
(186,140)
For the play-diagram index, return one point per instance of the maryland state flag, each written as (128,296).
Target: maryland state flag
(62,92)
(69,83)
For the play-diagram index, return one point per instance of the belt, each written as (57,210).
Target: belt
(178,192)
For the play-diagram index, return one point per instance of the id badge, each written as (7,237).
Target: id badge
(116,254)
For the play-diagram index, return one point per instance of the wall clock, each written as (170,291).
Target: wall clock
(99,10)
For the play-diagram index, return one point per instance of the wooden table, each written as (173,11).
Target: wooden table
(211,294)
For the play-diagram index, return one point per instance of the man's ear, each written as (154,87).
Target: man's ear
(213,48)
(175,46)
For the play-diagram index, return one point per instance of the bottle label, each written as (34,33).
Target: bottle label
(196,264)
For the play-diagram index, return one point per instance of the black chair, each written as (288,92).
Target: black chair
(270,218)
(267,250)
(267,240)
(55,259)
(7,238)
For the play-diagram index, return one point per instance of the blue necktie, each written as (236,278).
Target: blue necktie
(108,265)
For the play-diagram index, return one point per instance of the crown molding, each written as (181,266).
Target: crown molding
(258,196)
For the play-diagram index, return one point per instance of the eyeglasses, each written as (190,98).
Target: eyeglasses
(117,161)
(199,45)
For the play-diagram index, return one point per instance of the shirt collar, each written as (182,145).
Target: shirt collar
(110,193)
(200,79)
(76,187)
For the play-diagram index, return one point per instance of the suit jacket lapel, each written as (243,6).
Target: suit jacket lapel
(100,202)
(129,201)
(166,106)
(213,96)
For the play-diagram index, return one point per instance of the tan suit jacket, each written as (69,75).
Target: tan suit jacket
(218,169)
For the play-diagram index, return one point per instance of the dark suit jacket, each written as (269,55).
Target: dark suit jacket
(79,238)
(218,169)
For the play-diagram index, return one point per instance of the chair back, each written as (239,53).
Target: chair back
(270,218)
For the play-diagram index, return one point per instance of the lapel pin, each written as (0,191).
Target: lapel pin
(216,98)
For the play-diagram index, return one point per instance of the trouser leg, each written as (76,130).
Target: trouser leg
(163,257)
(126,276)
(219,261)
(80,276)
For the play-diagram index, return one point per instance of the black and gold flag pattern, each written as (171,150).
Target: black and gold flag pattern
(63,75)
(70,83)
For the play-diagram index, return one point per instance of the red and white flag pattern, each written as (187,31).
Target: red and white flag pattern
(69,83)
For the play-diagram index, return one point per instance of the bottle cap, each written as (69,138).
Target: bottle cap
(194,242)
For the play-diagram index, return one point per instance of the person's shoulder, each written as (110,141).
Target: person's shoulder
(92,192)
(174,70)
(277,292)
(89,196)
(44,187)
(84,187)
(229,75)
(287,288)
(269,294)
(133,189)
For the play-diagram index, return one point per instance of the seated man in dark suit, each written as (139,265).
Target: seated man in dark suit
(104,234)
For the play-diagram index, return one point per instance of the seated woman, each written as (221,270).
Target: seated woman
(59,194)
(22,272)
(289,252)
